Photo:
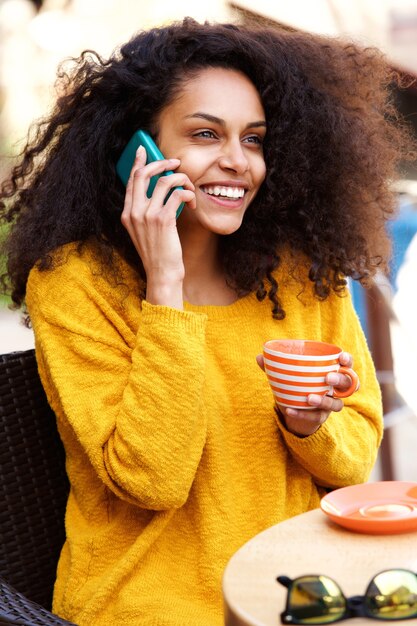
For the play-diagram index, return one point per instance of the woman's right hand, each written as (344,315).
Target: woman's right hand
(152,226)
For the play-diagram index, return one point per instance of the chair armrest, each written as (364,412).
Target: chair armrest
(16,609)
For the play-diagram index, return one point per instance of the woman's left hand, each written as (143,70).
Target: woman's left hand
(305,422)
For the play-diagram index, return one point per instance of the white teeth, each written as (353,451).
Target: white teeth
(226,192)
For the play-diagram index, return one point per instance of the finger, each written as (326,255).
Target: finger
(158,167)
(304,423)
(340,381)
(176,198)
(141,177)
(140,161)
(346,359)
(166,184)
(325,403)
(316,417)
(260,361)
(140,201)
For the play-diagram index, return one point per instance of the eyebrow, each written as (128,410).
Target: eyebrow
(218,120)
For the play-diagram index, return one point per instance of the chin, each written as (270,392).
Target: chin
(225,226)
(225,231)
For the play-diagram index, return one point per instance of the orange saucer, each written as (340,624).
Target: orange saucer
(379,508)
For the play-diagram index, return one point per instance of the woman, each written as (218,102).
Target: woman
(148,328)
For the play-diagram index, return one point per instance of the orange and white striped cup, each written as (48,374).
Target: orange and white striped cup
(296,368)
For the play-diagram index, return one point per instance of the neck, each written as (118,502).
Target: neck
(204,281)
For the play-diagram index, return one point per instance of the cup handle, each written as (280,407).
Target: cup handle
(353,387)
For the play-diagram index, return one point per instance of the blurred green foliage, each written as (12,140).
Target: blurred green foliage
(4,300)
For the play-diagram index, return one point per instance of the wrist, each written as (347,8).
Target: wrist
(165,293)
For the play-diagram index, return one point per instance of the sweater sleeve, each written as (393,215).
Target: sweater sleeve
(131,408)
(343,450)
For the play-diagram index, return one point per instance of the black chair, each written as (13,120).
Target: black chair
(33,495)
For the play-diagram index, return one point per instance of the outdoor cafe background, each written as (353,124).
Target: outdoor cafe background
(36,35)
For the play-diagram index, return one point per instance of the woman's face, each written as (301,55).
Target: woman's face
(216,127)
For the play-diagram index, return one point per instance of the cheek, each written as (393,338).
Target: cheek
(259,172)
(192,164)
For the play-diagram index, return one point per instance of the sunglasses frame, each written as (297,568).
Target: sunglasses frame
(355,605)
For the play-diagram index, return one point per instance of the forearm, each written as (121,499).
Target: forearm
(343,450)
(160,428)
(134,412)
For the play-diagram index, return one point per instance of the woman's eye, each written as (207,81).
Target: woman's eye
(253,139)
(208,134)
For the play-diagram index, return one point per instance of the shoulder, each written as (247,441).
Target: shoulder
(82,267)
(63,265)
(78,278)
(78,297)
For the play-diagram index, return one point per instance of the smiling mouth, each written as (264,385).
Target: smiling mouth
(227,193)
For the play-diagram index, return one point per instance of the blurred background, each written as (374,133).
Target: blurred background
(36,35)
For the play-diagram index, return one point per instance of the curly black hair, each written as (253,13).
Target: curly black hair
(333,146)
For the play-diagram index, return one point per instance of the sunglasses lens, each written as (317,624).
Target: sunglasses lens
(392,595)
(315,600)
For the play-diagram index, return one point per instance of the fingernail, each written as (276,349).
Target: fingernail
(332,379)
(140,151)
(291,412)
(314,400)
(174,160)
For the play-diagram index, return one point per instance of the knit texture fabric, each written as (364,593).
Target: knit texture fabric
(174,452)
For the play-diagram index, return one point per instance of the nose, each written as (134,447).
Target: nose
(233,157)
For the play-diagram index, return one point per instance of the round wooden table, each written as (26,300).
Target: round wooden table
(307,544)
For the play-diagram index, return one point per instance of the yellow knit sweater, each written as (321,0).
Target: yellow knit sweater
(174,454)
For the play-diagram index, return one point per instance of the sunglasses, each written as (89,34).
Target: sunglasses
(391,595)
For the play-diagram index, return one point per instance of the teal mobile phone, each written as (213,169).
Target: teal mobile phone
(153,153)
